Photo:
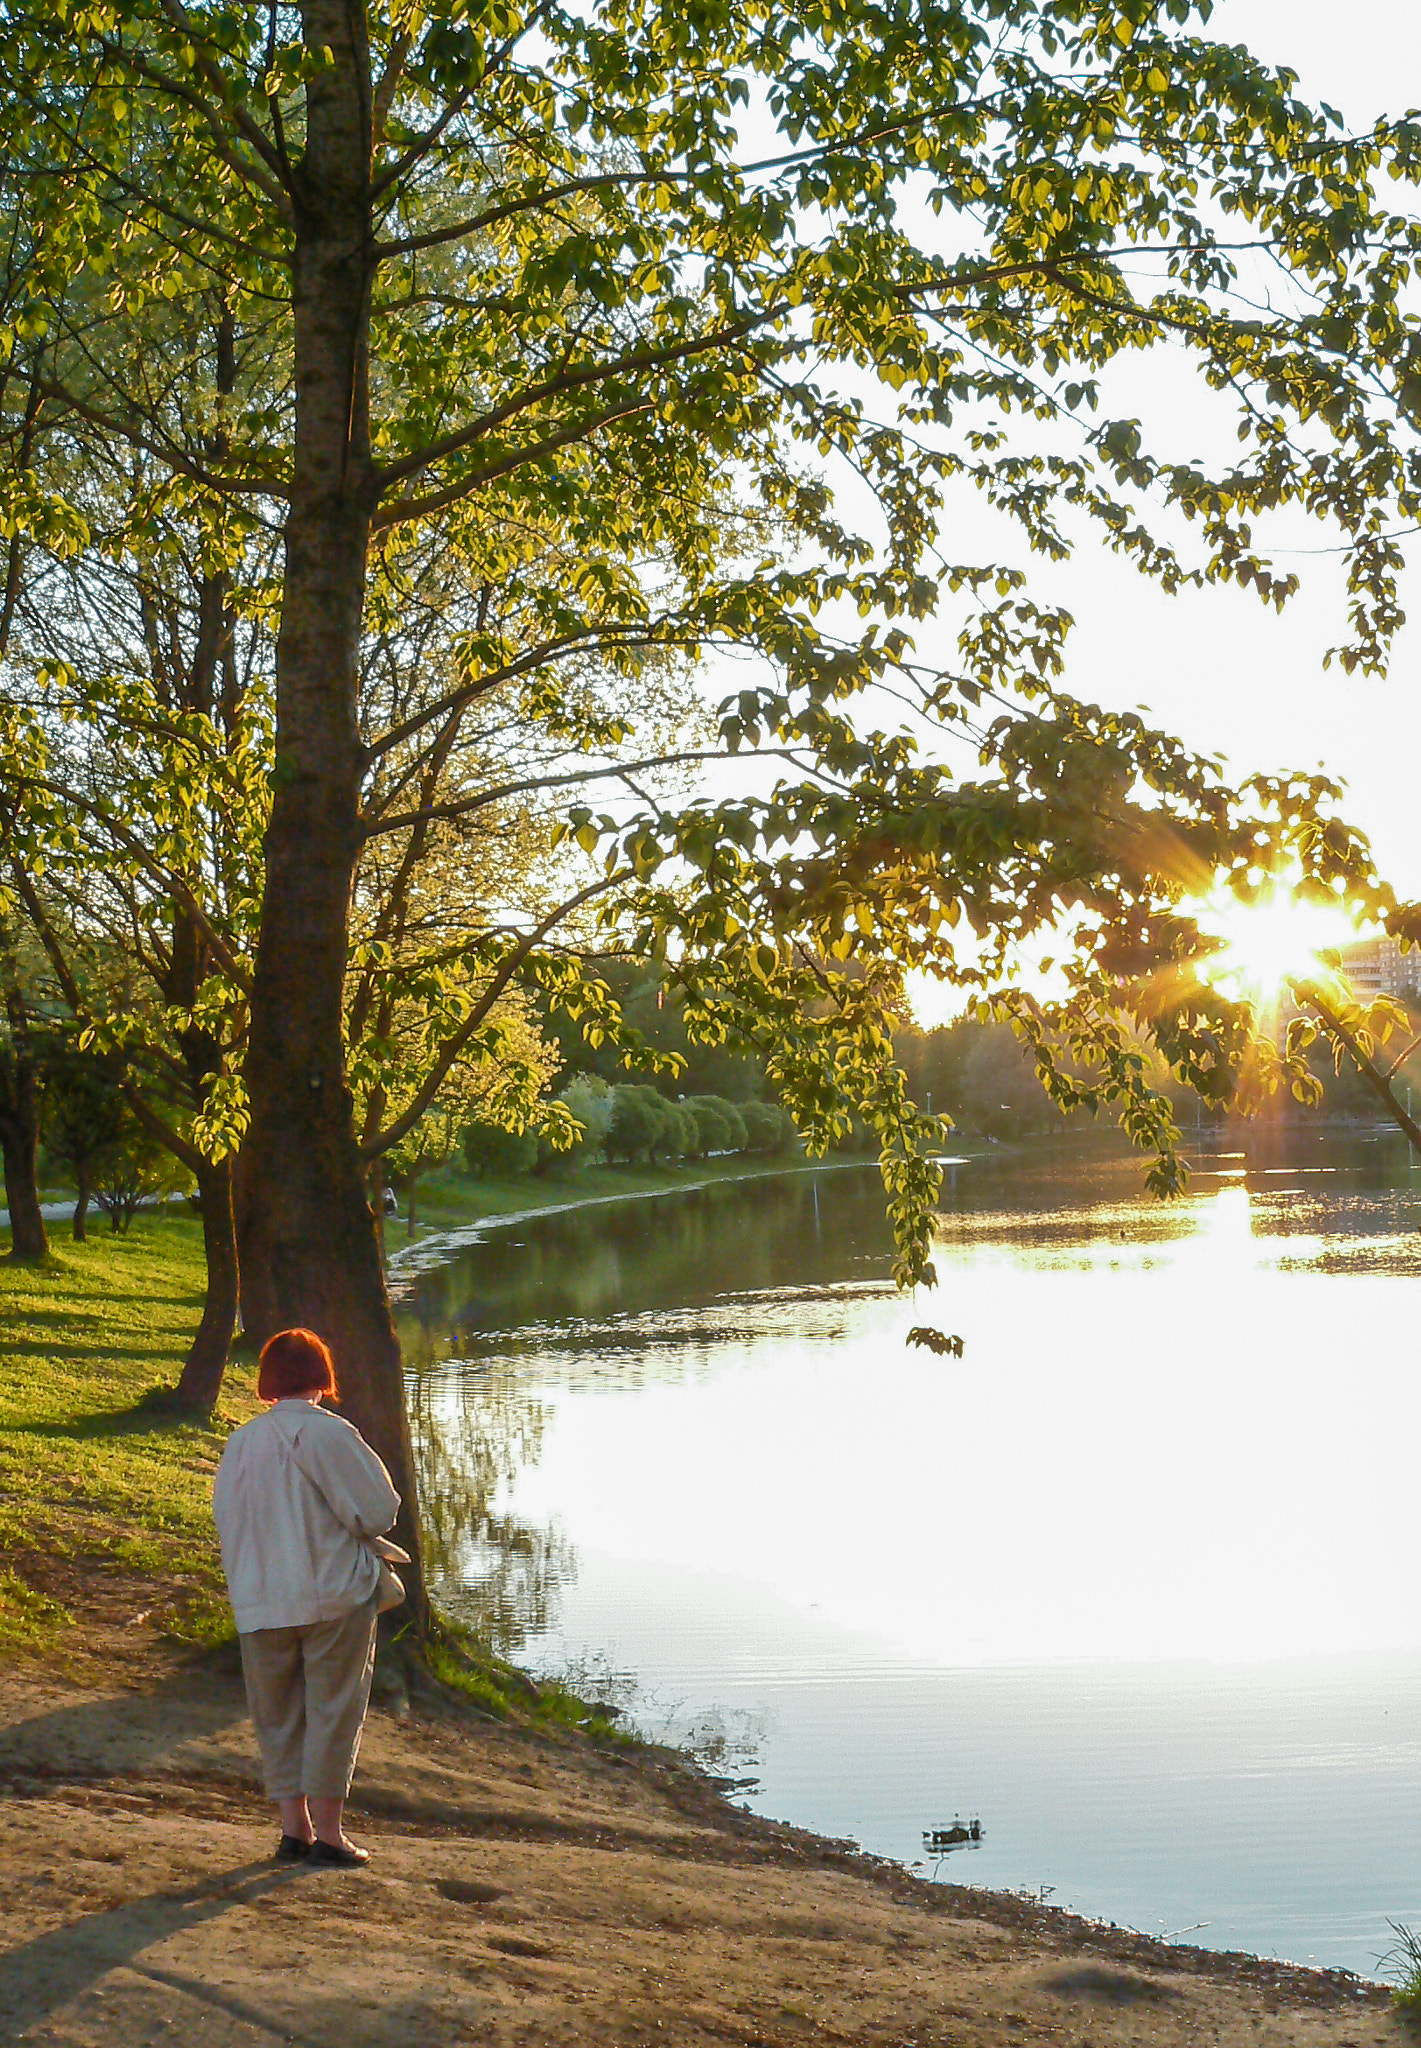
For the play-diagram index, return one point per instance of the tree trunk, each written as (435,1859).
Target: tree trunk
(256,1295)
(19,1138)
(18,1142)
(201,1382)
(81,1205)
(308,1236)
(375,1184)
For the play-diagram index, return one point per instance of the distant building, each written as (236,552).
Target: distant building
(1379,967)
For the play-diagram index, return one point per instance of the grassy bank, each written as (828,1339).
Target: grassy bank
(105,1503)
(106,1537)
(450,1200)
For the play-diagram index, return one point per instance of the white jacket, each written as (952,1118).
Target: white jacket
(297,1492)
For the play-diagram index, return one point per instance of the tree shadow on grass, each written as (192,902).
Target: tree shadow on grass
(1108,1987)
(71,1314)
(152,1414)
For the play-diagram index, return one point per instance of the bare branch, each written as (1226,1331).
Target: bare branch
(1371,1073)
(618,771)
(388,85)
(1402,1057)
(492,679)
(159,1128)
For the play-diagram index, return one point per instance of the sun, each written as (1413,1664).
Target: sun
(1272,942)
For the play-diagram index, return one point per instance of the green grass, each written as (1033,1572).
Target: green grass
(93,1482)
(1402,1963)
(466,1666)
(103,1493)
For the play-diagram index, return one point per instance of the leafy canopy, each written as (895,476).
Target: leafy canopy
(728,313)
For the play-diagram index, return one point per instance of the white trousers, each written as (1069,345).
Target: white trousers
(308,1689)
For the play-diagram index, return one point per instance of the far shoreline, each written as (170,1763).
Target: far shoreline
(424,1253)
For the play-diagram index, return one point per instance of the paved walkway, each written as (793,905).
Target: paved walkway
(60,1212)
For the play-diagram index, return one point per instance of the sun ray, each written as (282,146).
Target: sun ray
(1272,943)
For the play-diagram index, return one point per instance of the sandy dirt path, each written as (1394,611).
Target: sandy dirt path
(525,1890)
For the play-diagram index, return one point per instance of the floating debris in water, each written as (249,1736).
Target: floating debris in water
(963,1834)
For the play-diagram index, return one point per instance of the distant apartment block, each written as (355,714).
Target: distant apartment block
(1378,967)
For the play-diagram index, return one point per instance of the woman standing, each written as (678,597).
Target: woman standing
(299,1500)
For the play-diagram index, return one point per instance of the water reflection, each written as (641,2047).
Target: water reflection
(1357,1191)
(496,1572)
(790,1277)
(1041,1582)
(611,1263)
(621,1295)
(671,1291)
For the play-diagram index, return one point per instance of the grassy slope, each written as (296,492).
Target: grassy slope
(449,1199)
(101,1499)
(105,1501)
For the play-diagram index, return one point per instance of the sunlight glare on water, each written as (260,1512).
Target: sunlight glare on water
(1156,1529)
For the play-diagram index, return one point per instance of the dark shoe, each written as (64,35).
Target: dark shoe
(291,1849)
(337,1856)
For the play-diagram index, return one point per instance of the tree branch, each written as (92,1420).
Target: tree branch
(616,771)
(405,163)
(492,679)
(246,126)
(44,930)
(453,1045)
(122,430)
(628,180)
(390,77)
(439,501)
(157,1127)
(391,919)
(1371,1073)
(564,382)
(172,885)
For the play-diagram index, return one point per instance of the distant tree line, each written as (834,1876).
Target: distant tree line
(635,1125)
(70,1107)
(981,1076)
(976,1072)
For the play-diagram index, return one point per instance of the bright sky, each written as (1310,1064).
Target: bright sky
(1227,675)
(1215,667)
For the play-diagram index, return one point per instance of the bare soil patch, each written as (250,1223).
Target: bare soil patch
(526,1889)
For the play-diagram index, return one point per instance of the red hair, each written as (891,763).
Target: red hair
(293,1363)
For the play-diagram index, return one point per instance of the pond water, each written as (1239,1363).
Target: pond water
(1133,1584)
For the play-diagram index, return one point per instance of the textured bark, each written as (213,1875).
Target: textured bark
(308,1241)
(256,1296)
(19,1136)
(201,1382)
